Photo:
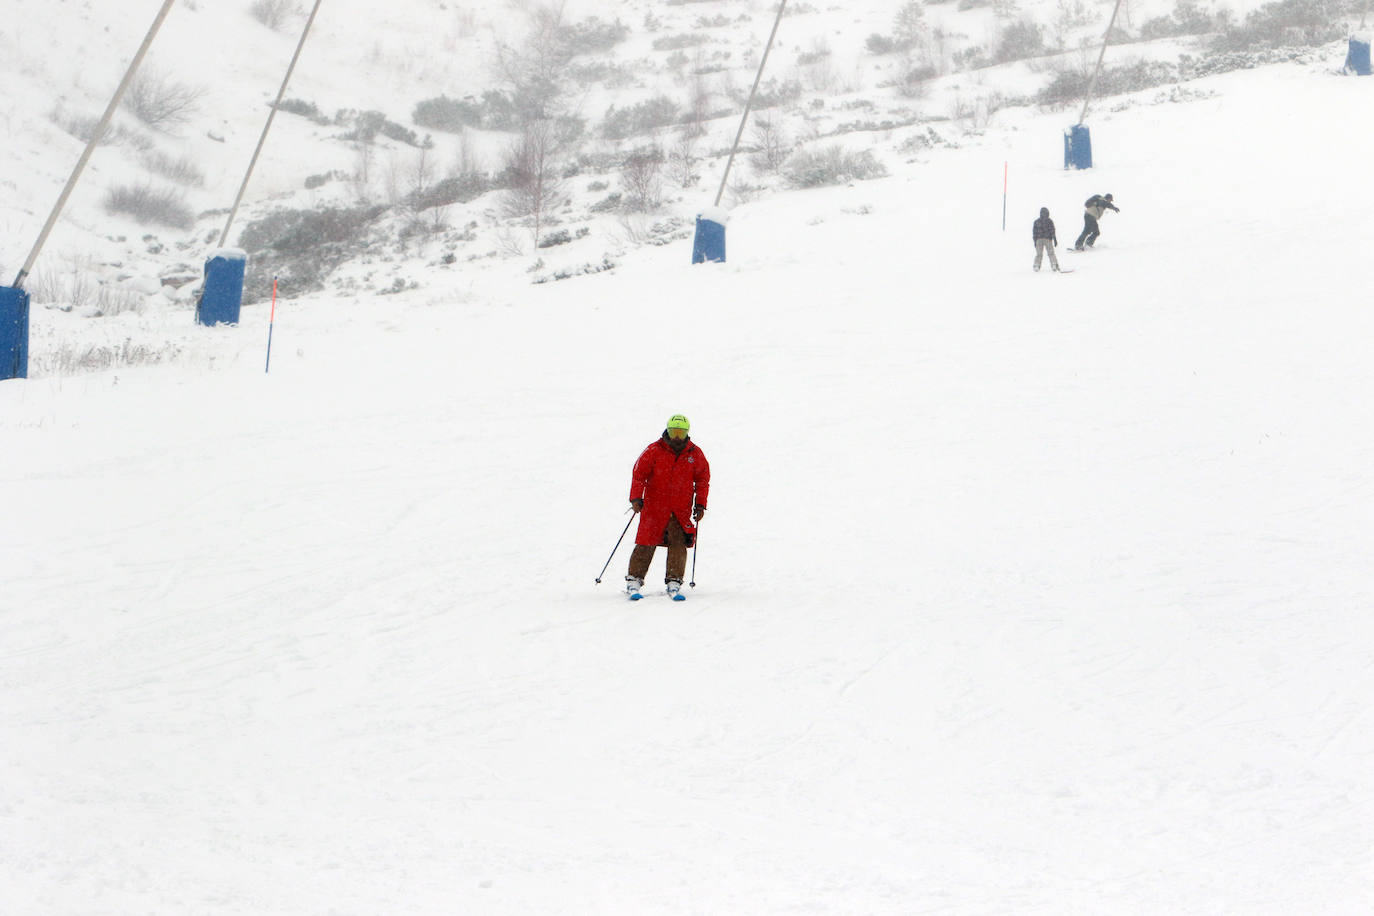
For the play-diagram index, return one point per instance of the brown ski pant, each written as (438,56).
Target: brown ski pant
(643,554)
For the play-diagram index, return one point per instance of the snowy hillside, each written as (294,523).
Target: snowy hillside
(391,159)
(1017,593)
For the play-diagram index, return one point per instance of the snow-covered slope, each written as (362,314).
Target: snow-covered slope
(60,62)
(1018,593)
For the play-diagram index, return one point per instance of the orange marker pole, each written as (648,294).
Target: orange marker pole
(272,320)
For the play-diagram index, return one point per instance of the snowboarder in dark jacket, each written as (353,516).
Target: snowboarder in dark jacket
(1042,234)
(1093,208)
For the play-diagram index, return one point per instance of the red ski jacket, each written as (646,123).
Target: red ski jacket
(670,483)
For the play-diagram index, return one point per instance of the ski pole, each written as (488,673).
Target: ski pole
(693,583)
(614,549)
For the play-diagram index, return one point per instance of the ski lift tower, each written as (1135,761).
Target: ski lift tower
(1078,144)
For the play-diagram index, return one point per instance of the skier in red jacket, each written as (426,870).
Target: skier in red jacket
(668,489)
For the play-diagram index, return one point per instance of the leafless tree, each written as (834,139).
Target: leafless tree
(773,145)
(640,175)
(534,69)
(535,187)
(365,156)
(698,101)
(682,161)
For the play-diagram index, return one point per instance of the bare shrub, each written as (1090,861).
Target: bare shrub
(591,35)
(148,204)
(364,164)
(1019,40)
(366,125)
(698,103)
(913,76)
(1069,86)
(831,165)
(908,23)
(304,109)
(181,169)
(162,102)
(976,114)
(971,58)
(303,246)
(534,69)
(818,66)
(532,176)
(682,161)
(907,27)
(1290,23)
(646,116)
(456,188)
(274,13)
(641,177)
(444,113)
(772,94)
(742,191)
(679,42)
(772,144)
(111,300)
(509,243)
(79,289)
(82,127)
(71,358)
(414,195)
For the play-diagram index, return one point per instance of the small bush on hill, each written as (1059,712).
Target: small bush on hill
(368,124)
(772,94)
(303,246)
(71,358)
(1187,18)
(455,189)
(831,165)
(148,204)
(1069,86)
(304,109)
(161,102)
(444,113)
(648,115)
(1302,23)
(678,42)
(1020,40)
(591,35)
(273,13)
(183,170)
(82,127)
(300,231)
(640,176)
(881,44)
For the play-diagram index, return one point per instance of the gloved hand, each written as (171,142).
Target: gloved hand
(698,512)
(637,504)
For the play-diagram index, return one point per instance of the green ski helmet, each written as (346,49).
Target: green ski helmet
(678,421)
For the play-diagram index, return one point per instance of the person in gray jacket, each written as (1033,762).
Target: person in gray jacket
(1093,208)
(1043,235)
